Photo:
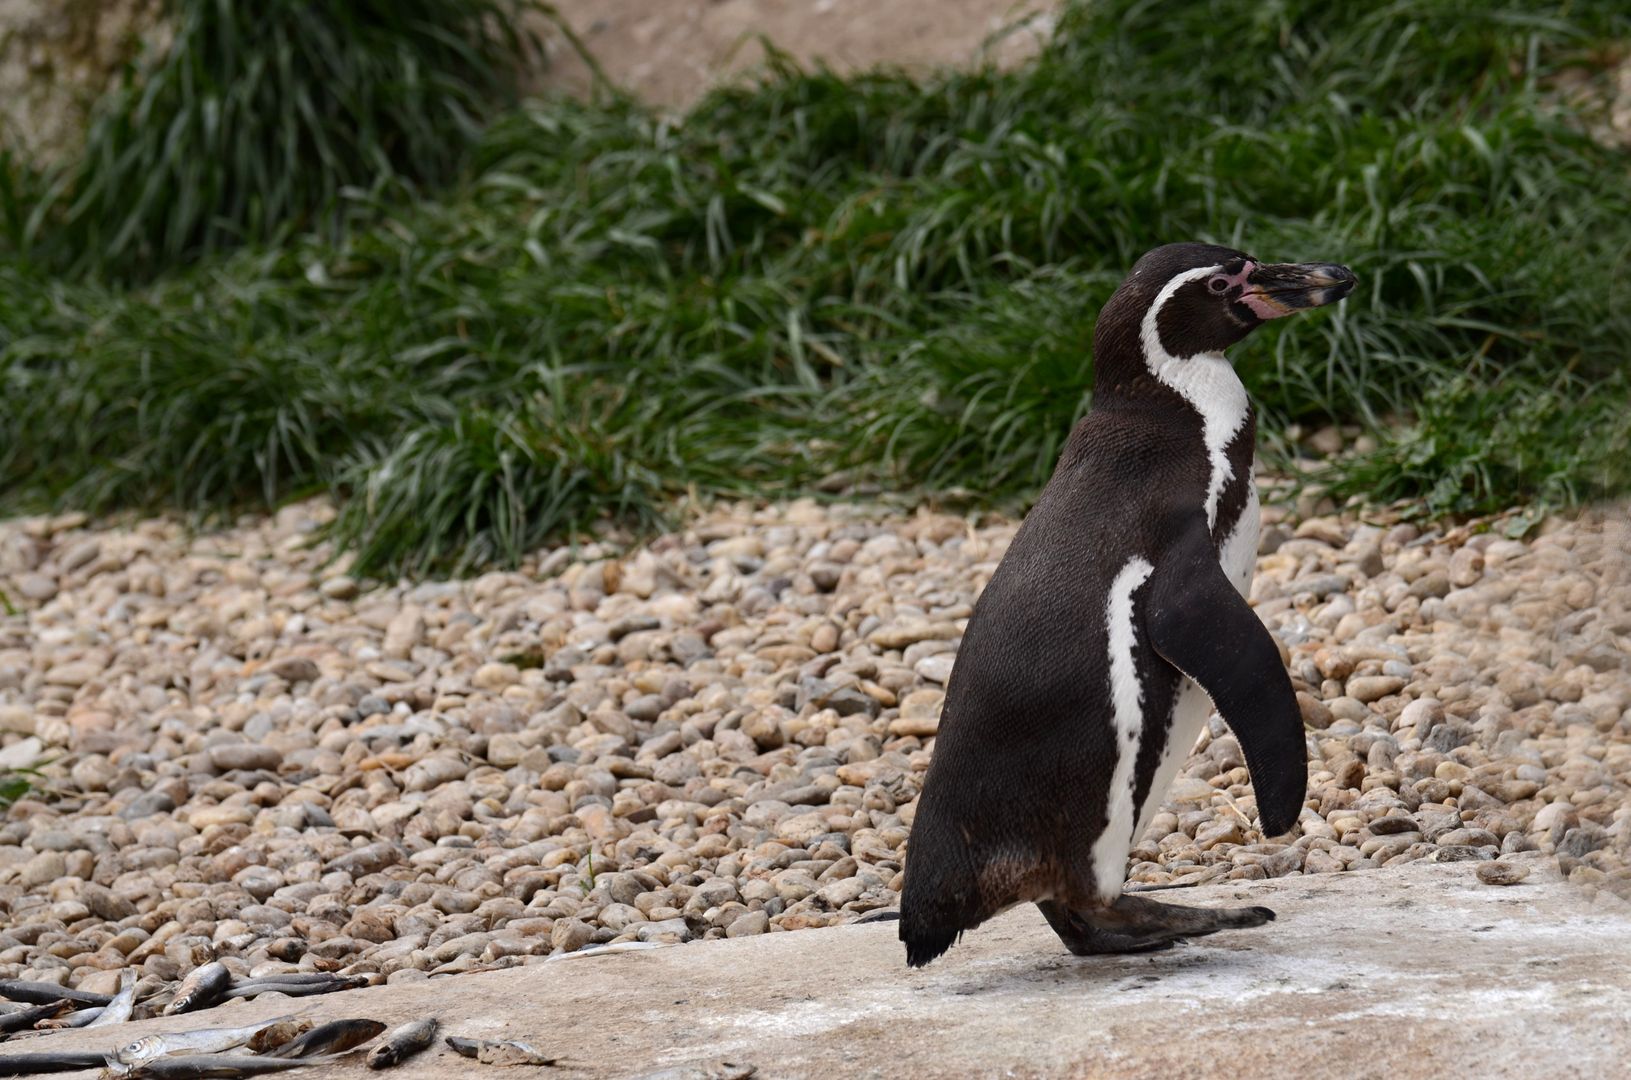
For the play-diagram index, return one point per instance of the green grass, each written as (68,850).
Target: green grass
(22,783)
(888,279)
(13,787)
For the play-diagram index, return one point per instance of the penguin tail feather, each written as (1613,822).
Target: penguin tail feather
(939,900)
(943,894)
(925,945)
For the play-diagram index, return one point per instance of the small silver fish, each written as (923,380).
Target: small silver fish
(306,987)
(123,1004)
(28,1017)
(204,1041)
(402,1043)
(202,988)
(498,1053)
(295,977)
(609,949)
(49,1061)
(229,1066)
(42,993)
(334,1037)
(707,1070)
(82,1018)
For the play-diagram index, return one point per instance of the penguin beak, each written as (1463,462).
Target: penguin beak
(1277,289)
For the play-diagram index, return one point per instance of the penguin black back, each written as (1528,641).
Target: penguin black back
(1117,612)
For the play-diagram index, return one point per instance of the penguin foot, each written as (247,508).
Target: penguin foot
(1135,924)
(1142,915)
(1083,938)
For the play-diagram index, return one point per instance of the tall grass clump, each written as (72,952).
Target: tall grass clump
(819,280)
(256,117)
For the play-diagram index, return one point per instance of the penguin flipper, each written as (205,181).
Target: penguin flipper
(1202,626)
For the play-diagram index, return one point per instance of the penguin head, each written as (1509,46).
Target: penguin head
(1188,300)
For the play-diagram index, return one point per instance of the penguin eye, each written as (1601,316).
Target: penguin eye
(1218,284)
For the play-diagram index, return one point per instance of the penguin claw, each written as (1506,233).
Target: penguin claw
(1241,918)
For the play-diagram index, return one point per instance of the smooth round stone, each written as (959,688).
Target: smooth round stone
(1501,873)
(1369,688)
(247,756)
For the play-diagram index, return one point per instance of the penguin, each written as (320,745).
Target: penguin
(1114,624)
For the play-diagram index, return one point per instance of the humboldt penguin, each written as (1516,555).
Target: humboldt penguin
(1116,621)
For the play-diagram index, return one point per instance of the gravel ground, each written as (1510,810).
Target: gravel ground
(251,756)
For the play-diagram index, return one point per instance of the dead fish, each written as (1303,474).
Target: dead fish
(402,1043)
(498,1053)
(82,1018)
(202,988)
(881,915)
(230,1066)
(49,1062)
(123,1004)
(334,1037)
(277,984)
(604,950)
(275,1035)
(205,1041)
(41,993)
(27,1018)
(706,1070)
(296,977)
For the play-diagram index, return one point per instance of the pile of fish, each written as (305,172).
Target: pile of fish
(35,1006)
(32,1009)
(269,1046)
(275,1045)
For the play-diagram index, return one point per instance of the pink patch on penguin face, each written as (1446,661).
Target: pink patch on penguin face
(1260,304)
(1239,278)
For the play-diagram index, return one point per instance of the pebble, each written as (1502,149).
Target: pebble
(294,669)
(919,714)
(36,587)
(73,674)
(495,676)
(748,924)
(104,903)
(243,756)
(1501,873)
(935,669)
(1369,688)
(23,754)
(405,630)
(721,733)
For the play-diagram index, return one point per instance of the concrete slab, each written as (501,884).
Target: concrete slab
(1417,971)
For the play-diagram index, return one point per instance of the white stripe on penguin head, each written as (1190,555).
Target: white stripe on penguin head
(1207,381)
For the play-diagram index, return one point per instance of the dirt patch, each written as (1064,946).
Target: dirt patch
(670,53)
(56,57)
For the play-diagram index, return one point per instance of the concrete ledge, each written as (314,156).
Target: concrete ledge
(1418,971)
